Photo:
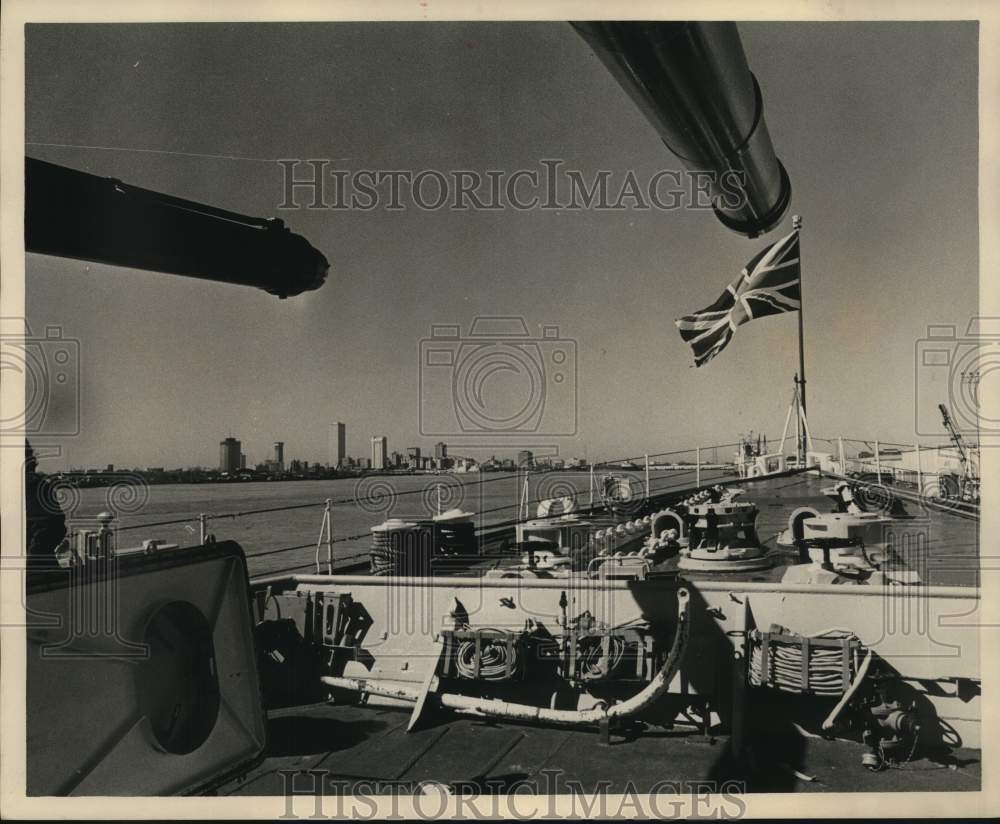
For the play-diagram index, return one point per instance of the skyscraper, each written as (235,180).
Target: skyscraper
(440,450)
(229,455)
(337,451)
(379,445)
(279,455)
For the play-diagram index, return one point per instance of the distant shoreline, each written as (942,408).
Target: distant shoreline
(86,479)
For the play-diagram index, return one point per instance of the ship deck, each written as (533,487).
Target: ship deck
(368,748)
(952,537)
(344,744)
(952,558)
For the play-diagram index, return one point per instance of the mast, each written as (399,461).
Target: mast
(800,379)
(797,408)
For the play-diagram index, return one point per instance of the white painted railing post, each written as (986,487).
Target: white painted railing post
(202,528)
(329,536)
(840,449)
(325,537)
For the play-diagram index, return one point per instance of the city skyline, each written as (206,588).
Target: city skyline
(233,456)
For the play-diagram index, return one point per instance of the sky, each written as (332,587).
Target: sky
(876,124)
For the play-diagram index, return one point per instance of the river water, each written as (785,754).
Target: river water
(284,539)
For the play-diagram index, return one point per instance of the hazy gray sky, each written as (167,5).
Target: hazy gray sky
(875,122)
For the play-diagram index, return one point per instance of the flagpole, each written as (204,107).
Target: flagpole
(797,226)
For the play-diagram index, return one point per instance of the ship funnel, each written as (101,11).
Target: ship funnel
(692,82)
(73,214)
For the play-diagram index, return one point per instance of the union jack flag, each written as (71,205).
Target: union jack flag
(768,285)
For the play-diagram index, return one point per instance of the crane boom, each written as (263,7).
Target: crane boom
(968,483)
(955,436)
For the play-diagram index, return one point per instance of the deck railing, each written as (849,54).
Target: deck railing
(655,476)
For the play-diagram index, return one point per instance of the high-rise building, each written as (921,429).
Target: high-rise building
(243,460)
(379,445)
(337,444)
(525,460)
(413,456)
(440,450)
(279,455)
(229,455)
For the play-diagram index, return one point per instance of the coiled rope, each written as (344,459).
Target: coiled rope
(497,660)
(590,653)
(784,666)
